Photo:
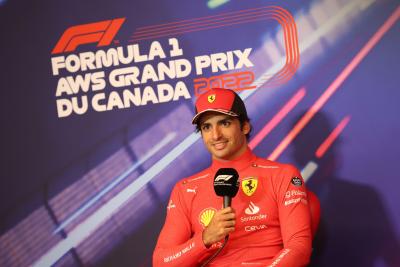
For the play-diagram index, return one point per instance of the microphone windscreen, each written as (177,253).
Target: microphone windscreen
(226,182)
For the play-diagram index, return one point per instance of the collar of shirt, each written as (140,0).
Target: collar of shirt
(240,163)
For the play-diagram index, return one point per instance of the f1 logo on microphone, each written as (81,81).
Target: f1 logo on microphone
(102,33)
(223,177)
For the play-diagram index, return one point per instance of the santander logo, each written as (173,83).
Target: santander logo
(252,209)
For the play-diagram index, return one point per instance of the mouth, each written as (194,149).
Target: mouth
(220,145)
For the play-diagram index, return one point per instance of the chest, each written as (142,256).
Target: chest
(255,205)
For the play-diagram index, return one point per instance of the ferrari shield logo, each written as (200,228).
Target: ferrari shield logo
(249,185)
(211,98)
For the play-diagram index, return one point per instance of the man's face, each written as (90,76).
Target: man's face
(223,136)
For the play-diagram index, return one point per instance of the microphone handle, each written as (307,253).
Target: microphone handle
(227,201)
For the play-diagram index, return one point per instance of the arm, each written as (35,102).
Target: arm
(294,217)
(176,246)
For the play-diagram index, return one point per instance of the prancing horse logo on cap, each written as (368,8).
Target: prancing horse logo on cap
(211,98)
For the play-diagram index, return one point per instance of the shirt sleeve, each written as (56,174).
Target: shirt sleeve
(177,245)
(294,218)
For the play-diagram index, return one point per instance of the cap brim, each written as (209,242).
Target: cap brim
(226,112)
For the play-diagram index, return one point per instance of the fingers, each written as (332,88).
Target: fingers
(221,225)
(226,210)
(227,213)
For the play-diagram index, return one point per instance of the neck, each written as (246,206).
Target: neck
(242,161)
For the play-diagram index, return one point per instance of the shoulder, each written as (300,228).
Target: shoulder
(277,167)
(197,179)
(279,174)
(186,190)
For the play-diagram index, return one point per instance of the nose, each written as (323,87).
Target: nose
(216,133)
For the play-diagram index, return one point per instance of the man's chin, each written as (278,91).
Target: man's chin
(221,155)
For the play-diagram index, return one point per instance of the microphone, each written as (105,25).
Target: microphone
(226,184)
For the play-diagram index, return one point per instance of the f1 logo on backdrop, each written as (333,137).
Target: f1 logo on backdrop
(102,33)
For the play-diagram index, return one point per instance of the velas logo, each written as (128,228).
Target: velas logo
(249,185)
(211,98)
(206,216)
(296,181)
(102,33)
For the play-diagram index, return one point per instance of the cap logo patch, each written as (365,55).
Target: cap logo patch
(249,185)
(211,98)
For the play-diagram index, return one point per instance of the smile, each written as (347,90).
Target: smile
(220,145)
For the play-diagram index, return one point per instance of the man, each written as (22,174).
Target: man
(269,221)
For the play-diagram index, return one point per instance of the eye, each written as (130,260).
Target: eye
(226,123)
(205,127)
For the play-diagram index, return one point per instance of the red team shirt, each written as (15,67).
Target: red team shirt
(272,218)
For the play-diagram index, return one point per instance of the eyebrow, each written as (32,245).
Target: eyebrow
(226,118)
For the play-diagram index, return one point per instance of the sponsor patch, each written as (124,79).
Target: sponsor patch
(296,200)
(264,167)
(196,178)
(293,193)
(179,253)
(257,217)
(297,181)
(280,257)
(249,185)
(171,205)
(252,209)
(206,215)
(251,228)
(191,190)
(216,245)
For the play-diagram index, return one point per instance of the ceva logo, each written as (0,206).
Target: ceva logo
(102,33)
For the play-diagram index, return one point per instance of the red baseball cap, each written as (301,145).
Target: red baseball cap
(220,100)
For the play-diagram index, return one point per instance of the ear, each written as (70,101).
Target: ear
(246,127)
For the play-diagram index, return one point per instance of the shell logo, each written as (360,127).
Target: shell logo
(206,215)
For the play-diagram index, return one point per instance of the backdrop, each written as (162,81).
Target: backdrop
(98,99)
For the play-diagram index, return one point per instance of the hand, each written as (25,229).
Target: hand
(220,226)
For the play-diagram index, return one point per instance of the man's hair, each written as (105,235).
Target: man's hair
(242,119)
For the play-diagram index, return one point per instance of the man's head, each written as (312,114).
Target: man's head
(222,119)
